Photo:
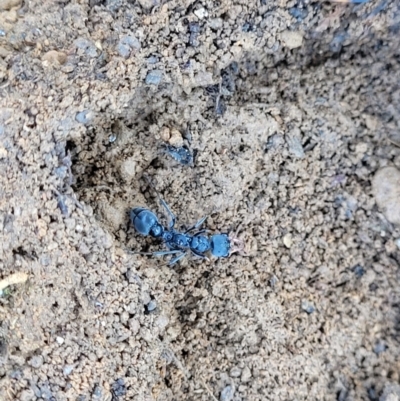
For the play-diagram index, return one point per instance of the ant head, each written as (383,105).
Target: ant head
(220,245)
(146,222)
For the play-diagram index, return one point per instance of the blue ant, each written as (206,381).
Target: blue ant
(180,243)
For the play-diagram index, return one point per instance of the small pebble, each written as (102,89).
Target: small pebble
(154,77)
(358,270)
(194,27)
(26,395)
(165,134)
(228,86)
(134,325)
(247,27)
(175,138)
(293,140)
(124,50)
(54,57)
(162,322)
(67,370)
(193,40)
(246,374)
(3,153)
(36,361)
(273,281)
(398,243)
(118,388)
(37,391)
(127,44)
(227,393)
(146,298)
(97,391)
(98,305)
(386,189)
(220,108)
(152,60)
(152,305)
(60,340)
(149,4)
(287,240)
(292,39)
(201,13)
(234,68)
(380,347)
(84,117)
(372,393)
(337,42)
(235,372)
(274,142)
(298,13)
(61,172)
(307,306)
(46,392)
(16,374)
(215,23)
(112,138)
(114,5)
(6,5)
(89,47)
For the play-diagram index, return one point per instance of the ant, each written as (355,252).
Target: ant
(179,243)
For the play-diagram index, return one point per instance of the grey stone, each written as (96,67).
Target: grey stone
(114,5)
(97,393)
(235,372)
(61,172)
(67,370)
(293,140)
(152,60)
(380,347)
(84,117)
(227,393)
(154,77)
(87,46)
(152,305)
(307,306)
(36,361)
(126,45)
(123,50)
(246,374)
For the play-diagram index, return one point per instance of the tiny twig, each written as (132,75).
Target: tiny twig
(208,390)
(16,278)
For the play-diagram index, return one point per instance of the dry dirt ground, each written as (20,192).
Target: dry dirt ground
(290,108)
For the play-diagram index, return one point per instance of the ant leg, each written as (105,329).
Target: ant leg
(171,215)
(197,225)
(162,201)
(158,253)
(177,259)
(200,255)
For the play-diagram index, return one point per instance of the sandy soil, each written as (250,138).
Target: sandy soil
(290,109)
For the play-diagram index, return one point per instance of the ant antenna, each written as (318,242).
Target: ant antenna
(162,201)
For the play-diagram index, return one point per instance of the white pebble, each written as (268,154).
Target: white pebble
(386,189)
(201,13)
(287,240)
